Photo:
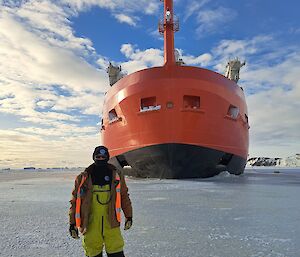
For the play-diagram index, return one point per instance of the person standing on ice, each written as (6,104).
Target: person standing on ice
(99,194)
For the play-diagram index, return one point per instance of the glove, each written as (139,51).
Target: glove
(128,223)
(73,231)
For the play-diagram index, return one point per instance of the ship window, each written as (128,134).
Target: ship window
(233,112)
(191,102)
(112,115)
(149,104)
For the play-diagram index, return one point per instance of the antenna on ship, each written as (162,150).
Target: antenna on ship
(167,26)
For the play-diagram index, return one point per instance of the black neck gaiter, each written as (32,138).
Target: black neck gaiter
(101,175)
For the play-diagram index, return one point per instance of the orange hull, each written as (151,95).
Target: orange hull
(207,124)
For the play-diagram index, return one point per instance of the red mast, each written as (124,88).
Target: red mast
(167,26)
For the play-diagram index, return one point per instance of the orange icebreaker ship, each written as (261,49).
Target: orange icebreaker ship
(175,121)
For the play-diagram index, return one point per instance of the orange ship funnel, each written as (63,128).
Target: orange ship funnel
(167,26)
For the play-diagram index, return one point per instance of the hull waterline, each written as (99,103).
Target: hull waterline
(178,161)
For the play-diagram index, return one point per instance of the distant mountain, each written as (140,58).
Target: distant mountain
(291,161)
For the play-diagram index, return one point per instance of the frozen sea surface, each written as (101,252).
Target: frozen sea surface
(253,215)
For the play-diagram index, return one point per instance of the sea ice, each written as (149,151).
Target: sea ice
(256,214)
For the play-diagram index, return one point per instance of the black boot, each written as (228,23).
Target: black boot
(119,254)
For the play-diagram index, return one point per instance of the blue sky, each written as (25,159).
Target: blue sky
(53,56)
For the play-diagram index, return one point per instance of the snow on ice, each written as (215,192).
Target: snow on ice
(252,215)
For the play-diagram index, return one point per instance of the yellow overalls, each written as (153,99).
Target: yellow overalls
(99,232)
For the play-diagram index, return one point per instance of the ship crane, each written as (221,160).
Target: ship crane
(114,73)
(233,69)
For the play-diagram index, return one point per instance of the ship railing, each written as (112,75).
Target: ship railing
(150,108)
(162,24)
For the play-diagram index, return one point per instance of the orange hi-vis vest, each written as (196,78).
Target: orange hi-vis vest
(118,198)
(80,193)
(78,203)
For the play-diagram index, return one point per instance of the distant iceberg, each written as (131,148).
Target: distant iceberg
(291,161)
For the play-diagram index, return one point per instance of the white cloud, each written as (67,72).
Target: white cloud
(122,10)
(27,56)
(45,104)
(152,7)
(242,47)
(59,130)
(32,60)
(43,77)
(127,50)
(193,7)
(155,57)
(155,34)
(19,149)
(89,104)
(80,5)
(209,21)
(125,19)
(141,59)
(126,7)
(201,60)
(274,122)
(103,62)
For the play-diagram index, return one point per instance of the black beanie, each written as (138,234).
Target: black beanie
(101,150)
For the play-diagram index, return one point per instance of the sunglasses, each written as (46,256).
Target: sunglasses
(100,156)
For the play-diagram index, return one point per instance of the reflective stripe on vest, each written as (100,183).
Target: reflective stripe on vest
(118,198)
(78,203)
